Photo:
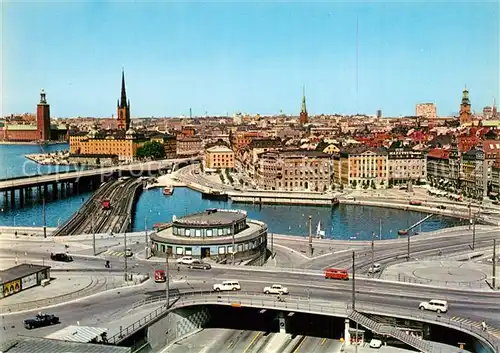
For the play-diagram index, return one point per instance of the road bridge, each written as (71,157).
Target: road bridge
(297,304)
(58,184)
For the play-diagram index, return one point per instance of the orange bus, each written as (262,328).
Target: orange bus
(335,273)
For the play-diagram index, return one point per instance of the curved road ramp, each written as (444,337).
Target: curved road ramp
(188,312)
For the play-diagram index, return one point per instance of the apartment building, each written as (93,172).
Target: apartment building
(405,164)
(295,170)
(363,166)
(219,157)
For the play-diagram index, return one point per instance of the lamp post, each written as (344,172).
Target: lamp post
(146,236)
(44,220)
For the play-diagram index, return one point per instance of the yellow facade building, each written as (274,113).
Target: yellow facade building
(123,146)
(219,157)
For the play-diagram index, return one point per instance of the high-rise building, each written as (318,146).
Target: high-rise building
(123,108)
(303,118)
(426,110)
(465,109)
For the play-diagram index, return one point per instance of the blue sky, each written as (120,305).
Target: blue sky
(221,57)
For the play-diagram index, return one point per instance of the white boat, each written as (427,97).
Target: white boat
(320,234)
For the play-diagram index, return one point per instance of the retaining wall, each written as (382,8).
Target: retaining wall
(176,325)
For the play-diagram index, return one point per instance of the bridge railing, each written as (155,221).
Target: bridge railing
(304,304)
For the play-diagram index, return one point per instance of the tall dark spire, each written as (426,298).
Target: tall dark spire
(303,108)
(123,100)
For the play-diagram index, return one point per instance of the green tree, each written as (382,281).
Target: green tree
(354,184)
(151,149)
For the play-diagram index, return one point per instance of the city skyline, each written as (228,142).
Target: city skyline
(251,57)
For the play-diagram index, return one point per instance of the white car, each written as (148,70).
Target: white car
(376,268)
(185,260)
(375,343)
(227,286)
(439,306)
(276,289)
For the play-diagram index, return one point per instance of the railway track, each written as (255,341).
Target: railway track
(91,218)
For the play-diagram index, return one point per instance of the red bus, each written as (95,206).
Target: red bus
(335,273)
(160,276)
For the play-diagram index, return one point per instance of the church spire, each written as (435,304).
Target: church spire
(123,100)
(303,109)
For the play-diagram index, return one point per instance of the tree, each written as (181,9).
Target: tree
(151,149)
(373,185)
(354,184)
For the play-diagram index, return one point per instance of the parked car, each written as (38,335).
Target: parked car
(200,265)
(276,289)
(185,260)
(41,320)
(442,207)
(374,343)
(376,268)
(227,286)
(61,257)
(439,306)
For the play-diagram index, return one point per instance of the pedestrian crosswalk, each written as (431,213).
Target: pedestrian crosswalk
(493,330)
(113,253)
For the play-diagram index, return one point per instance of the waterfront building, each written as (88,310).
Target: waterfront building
(405,164)
(362,166)
(438,167)
(465,115)
(189,145)
(216,233)
(494,183)
(219,157)
(473,173)
(294,170)
(491,150)
(250,155)
(43,131)
(426,110)
(116,144)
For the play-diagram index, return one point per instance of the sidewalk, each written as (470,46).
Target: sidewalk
(64,287)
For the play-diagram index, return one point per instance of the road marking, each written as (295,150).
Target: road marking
(300,344)
(323,341)
(252,342)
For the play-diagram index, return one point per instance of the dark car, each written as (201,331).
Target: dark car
(61,257)
(199,265)
(41,320)
(442,207)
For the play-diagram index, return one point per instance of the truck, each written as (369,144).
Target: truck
(106,204)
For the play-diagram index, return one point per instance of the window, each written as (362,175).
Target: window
(230,249)
(222,250)
(245,246)
(209,232)
(219,231)
(189,251)
(188,232)
(240,247)
(179,250)
(198,232)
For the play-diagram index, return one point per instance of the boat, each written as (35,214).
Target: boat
(167,191)
(402,232)
(320,234)
(215,195)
